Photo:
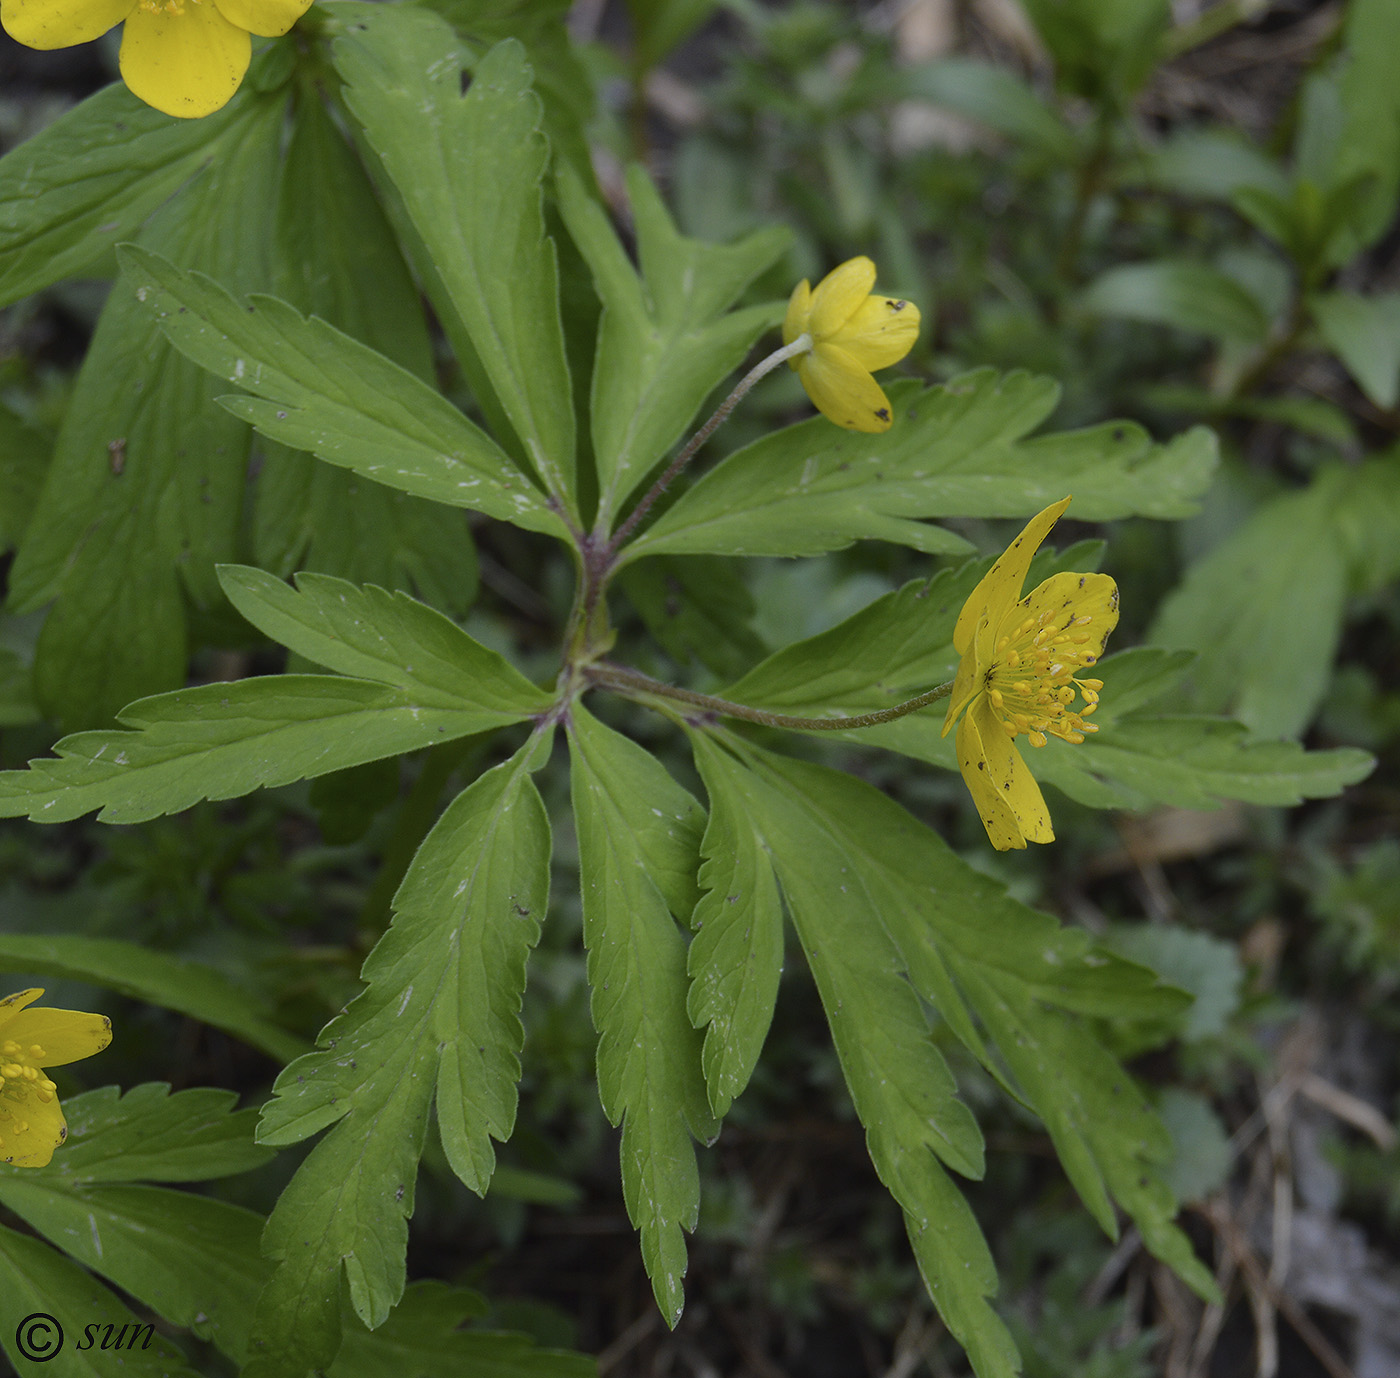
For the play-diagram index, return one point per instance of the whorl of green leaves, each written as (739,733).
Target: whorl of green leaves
(683,903)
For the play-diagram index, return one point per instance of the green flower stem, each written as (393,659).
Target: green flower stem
(608,676)
(588,635)
(801,345)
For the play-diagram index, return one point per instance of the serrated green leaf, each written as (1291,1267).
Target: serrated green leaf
(639,838)
(736,956)
(426,1336)
(91,179)
(1194,763)
(145,490)
(192,1260)
(137,970)
(901,645)
(439,1018)
(563,77)
(1182,293)
(334,256)
(223,740)
(387,637)
(37,1279)
(320,390)
(954,450)
(665,340)
(441,149)
(901,1086)
(152,1132)
(1026,979)
(893,648)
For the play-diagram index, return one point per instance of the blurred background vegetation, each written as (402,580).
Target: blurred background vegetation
(1183,212)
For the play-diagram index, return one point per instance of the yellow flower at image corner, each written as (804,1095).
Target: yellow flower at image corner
(31,1119)
(1019,673)
(853,333)
(185,57)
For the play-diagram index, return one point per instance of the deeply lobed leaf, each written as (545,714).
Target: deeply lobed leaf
(956,450)
(639,836)
(438,1021)
(665,341)
(318,389)
(220,741)
(467,168)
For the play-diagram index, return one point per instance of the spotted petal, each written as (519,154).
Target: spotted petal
(64,1035)
(839,295)
(186,64)
(881,332)
(967,683)
(1001,586)
(1009,801)
(842,390)
(44,1129)
(11,1006)
(61,23)
(1094,596)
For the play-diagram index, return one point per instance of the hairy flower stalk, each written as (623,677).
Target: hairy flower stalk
(634,682)
(1021,674)
(798,346)
(833,336)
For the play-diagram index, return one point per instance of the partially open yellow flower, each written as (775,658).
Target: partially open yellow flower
(1021,659)
(185,57)
(853,333)
(31,1119)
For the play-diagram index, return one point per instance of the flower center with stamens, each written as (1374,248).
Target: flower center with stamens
(1034,675)
(175,7)
(21,1078)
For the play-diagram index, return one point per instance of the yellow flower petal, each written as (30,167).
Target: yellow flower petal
(1092,596)
(187,64)
(967,683)
(880,333)
(799,311)
(11,1005)
(267,18)
(44,1129)
(64,1035)
(842,390)
(1001,585)
(839,295)
(1008,800)
(61,23)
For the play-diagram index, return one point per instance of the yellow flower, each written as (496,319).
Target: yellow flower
(852,333)
(1019,671)
(185,57)
(31,1119)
